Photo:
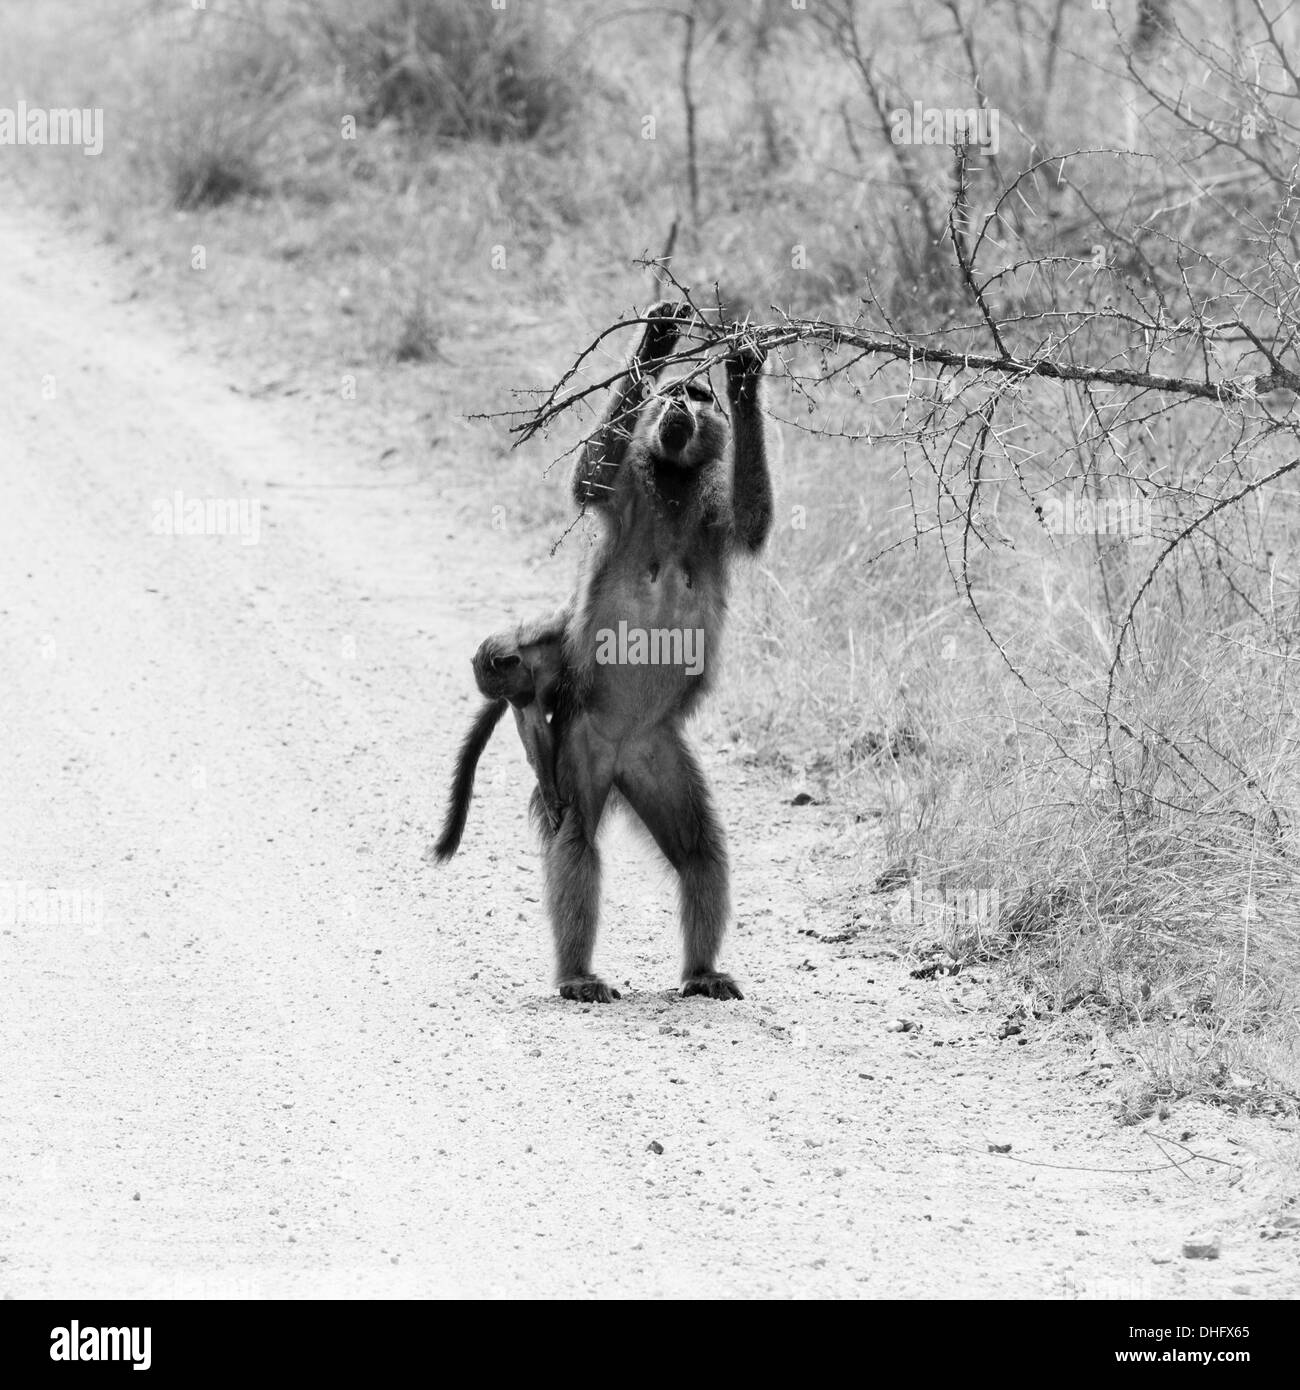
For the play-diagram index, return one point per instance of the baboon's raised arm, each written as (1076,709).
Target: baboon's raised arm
(751,482)
(598,464)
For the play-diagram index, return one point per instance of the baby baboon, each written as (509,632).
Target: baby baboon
(672,515)
(519,668)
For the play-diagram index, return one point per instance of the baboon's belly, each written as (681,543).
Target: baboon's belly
(651,642)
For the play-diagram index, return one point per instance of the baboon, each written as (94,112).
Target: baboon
(672,515)
(519,668)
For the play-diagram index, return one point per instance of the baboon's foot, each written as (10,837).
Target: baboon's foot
(587,989)
(713,984)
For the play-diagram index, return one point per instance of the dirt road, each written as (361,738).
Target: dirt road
(272,1052)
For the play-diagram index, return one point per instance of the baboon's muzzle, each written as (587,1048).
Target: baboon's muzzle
(675,429)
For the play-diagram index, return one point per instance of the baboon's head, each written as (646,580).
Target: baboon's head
(681,422)
(499,670)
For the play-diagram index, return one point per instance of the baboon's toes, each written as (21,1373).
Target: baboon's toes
(588,989)
(713,984)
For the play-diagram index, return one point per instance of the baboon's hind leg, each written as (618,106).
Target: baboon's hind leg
(571,865)
(665,786)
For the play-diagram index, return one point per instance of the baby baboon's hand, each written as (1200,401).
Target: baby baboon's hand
(744,368)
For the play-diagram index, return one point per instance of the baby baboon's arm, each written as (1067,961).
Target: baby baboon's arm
(539,748)
(541,646)
(751,483)
(598,464)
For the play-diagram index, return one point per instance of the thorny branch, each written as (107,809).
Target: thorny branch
(713,347)
(1053,369)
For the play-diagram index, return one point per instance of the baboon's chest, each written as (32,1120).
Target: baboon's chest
(663,568)
(664,588)
(654,623)
(660,582)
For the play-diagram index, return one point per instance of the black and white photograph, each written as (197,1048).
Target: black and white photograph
(649,652)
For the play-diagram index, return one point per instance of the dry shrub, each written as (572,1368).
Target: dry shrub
(454,68)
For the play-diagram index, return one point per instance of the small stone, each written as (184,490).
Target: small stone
(655,1147)
(902,1025)
(999,1148)
(135,1197)
(1201,1247)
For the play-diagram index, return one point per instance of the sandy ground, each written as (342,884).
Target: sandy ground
(291,1058)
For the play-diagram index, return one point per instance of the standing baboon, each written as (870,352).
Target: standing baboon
(599,713)
(672,514)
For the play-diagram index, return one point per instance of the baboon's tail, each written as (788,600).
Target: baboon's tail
(462,787)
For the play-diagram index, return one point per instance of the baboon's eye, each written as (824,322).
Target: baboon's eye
(700,393)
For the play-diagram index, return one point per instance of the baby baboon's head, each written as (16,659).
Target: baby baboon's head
(682,424)
(499,669)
